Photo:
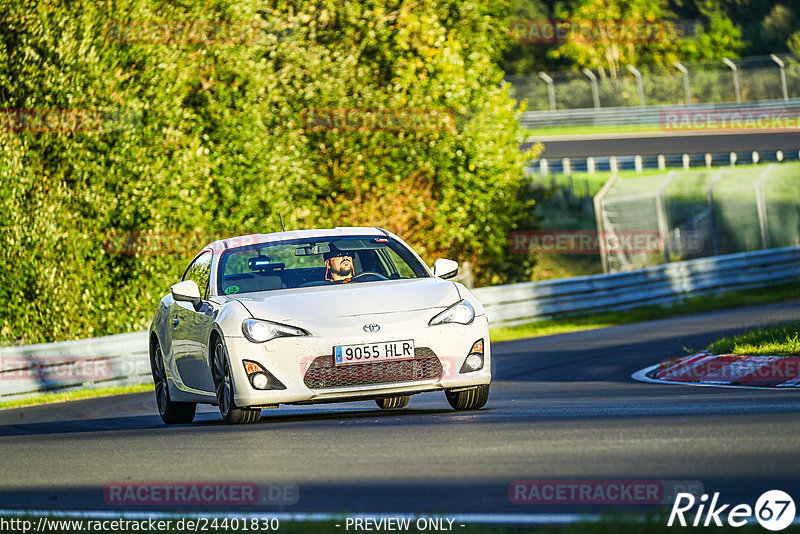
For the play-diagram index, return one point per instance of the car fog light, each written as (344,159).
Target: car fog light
(260,381)
(260,378)
(474,362)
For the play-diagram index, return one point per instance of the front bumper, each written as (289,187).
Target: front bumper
(305,364)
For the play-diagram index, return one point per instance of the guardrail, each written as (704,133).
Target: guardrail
(123,359)
(84,363)
(639,162)
(515,304)
(644,115)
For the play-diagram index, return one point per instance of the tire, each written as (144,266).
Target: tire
(223,381)
(171,412)
(393,403)
(468,399)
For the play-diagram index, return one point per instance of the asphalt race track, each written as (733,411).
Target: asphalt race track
(621,144)
(562,407)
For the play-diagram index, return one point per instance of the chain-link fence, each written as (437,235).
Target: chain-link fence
(741,80)
(699,213)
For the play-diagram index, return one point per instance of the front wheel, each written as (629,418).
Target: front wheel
(468,399)
(393,403)
(223,381)
(171,412)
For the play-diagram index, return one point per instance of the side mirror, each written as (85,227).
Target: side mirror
(187,291)
(445,268)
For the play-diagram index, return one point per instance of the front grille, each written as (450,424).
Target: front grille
(323,374)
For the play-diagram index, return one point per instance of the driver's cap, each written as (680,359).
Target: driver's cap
(336,253)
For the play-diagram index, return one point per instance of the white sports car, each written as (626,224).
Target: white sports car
(315,316)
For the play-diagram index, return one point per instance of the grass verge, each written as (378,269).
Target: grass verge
(583,181)
(734,299)
(588,130)
(62,396)
(781,339)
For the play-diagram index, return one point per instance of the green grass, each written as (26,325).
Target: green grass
(63,396)
(599,178)
(583,130)
(609,128)
(779,340)
(734,299)
(555,266)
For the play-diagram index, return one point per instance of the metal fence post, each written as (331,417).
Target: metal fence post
(712,212)
(762,205)
(598,217)
(465,275)
(595,92)
(779,61)
(661,213)
(735,72)
(686,88)
(633,70)
(551,91)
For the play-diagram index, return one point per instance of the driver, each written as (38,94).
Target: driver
(338,265)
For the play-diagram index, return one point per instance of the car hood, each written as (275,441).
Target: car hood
(349,300)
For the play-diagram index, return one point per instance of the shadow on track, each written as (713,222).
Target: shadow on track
(207,420)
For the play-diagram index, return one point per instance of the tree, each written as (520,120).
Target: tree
(331,112)
(609,34)
(526,57)
(718,38)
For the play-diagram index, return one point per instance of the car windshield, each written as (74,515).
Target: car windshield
(316,262)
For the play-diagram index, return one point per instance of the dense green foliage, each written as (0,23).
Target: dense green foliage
(210,134)
(724,28)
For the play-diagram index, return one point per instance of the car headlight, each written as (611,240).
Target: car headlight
(461,312)
(259,331)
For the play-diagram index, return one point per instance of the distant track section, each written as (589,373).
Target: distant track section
(648,143)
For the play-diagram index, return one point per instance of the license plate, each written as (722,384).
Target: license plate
(373,352)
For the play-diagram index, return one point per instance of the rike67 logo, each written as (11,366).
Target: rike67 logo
(774,510)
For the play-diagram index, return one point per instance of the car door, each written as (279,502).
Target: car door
(191,327)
